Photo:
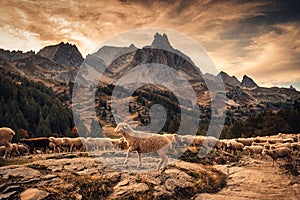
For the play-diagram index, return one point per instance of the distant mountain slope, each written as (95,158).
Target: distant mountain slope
(65,54)
(248,82)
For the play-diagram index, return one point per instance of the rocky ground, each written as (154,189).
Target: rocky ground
(101,176)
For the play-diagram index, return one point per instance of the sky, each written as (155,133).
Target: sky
(260,38)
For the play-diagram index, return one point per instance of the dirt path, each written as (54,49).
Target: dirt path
(256,179)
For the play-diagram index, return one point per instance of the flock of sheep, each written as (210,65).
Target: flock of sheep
(276,146)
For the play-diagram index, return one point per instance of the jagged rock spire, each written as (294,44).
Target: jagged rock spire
(161,42)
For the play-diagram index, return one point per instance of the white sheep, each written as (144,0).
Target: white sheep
(6,135)
(282,152)
(152,143)
(56,143)
(254,149)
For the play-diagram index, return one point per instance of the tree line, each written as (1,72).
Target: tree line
(32,109)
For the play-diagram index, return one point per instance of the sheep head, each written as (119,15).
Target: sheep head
(123,128)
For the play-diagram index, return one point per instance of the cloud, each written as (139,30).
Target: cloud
(242,37)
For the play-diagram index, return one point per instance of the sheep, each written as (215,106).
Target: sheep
(254,149)
(154,143)
(23,149)
(212,142)
(260,139)
(275,140)
(36,143)
(94,144)
(56,143)
(262,144)
(184,140)
(234,146)
(6,135)
(73,143)
(296,146)
(282,152)
(198,141)
(14,150)
(103,144)
(245,141)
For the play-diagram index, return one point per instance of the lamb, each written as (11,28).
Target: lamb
(254,149)
(6,135)
(234,146)
(153,143)
(282,152)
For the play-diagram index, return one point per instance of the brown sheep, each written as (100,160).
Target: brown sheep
(234,147)
(282,152)
(6,135)
(23,149)
(14,150)
(152,143)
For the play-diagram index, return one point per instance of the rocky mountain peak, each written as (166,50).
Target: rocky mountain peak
(63,53)
(248,82)
(230,80)
(161,42)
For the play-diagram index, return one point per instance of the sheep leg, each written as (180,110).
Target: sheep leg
(127,155)
(140,159)
(164,159)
